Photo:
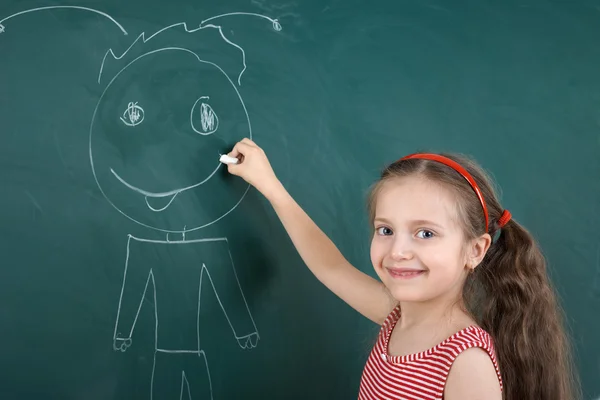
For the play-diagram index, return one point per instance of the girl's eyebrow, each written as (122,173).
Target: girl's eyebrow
(425,222)
(412,222)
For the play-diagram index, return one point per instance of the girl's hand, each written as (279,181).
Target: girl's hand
(254,167)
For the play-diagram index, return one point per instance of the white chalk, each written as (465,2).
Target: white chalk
(225,159)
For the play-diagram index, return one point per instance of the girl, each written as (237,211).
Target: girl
(465,306)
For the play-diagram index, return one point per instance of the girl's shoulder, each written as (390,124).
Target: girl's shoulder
(474,361)
(474,356)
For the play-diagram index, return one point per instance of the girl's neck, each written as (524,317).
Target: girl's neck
(430,314)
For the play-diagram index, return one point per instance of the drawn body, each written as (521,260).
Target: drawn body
(148,175)
(180,299)
(204,111)
(166,112)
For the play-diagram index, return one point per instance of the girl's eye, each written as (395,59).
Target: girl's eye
(384,231)
(425,234)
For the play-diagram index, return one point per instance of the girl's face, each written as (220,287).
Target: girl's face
(418,248)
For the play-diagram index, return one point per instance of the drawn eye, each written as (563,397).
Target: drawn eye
(203,118)
(133,115)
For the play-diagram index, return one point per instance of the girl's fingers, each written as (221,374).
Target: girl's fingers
(249,142)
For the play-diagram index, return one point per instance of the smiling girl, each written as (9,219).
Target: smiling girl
(463,298)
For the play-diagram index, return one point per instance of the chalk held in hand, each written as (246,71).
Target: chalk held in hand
(225,159)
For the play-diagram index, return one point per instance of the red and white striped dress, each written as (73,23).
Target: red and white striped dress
(419,376)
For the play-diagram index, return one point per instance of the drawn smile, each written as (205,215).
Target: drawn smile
(169,196)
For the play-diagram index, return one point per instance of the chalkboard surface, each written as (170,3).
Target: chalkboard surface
(132,266)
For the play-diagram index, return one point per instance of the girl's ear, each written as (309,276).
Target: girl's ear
(478,248)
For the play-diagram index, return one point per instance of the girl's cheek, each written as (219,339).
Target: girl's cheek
(377,252)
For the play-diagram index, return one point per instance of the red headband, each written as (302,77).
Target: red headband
(504,218)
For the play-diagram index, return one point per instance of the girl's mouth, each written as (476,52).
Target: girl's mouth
(404,273)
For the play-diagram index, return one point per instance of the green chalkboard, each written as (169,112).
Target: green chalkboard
(132,265)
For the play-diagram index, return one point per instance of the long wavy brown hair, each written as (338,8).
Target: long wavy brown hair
(509,294)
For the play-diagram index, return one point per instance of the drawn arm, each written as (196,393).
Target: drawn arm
(137,276)
(222,278)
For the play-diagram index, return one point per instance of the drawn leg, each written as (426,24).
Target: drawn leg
(197,382)
(222,278)
(167,376)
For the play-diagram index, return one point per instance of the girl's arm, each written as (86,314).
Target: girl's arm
(365,294)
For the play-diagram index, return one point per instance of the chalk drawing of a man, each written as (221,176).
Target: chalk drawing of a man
(165,114)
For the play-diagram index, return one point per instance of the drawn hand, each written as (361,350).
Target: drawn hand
(121,344)
(249,341)
(254,167)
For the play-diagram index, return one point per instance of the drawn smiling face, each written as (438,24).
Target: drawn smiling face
(156,136)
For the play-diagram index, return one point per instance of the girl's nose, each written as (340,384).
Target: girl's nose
(402,248)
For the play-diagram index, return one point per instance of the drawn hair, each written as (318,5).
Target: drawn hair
(177,35)
(509,294)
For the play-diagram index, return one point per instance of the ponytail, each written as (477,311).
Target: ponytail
(512,298)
